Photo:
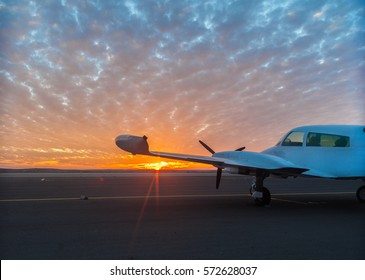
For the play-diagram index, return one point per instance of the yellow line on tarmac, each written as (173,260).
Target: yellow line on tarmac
(39,199)
(301,194)
(120,197)
(290,201)
(313,193)
(166,196)
(172,196)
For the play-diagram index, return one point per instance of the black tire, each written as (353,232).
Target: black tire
(266,198)
(360,194)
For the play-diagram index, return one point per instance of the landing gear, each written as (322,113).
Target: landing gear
(360,194)
(262,198)
(253,186)
(259,193)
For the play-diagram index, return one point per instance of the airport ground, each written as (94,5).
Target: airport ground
(177,216)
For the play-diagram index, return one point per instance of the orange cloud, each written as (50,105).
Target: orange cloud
(231,75)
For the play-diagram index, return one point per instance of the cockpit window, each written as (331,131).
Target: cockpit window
(327,140)
(294,138)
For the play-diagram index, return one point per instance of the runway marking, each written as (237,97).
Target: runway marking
(167,196)
(290,201)
(312,193)
(39,199)
(307,202)
(121,197)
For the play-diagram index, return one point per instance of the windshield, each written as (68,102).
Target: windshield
(294,138)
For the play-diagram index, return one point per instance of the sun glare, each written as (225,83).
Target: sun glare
(164,165)
(159,165)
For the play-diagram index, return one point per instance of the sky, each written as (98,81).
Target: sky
(76,74)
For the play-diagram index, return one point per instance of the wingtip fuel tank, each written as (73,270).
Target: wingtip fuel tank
(133,144)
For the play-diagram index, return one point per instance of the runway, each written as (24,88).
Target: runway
(176,216)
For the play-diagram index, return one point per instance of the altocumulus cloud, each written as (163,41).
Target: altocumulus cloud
(74,74)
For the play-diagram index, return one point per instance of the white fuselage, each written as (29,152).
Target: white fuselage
(346,161)
(329,151)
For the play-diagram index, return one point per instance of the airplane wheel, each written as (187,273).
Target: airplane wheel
(266,198)
(360,194)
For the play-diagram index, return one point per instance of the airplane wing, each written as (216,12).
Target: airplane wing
(245,162)
(192,158)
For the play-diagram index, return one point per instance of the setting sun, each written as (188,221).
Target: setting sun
(156,165)
(164,165)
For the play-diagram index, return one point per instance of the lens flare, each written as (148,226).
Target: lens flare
(154,182)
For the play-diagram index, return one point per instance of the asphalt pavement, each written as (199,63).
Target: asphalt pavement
(177,216)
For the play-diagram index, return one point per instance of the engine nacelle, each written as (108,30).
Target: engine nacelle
(133,144)
(239,170)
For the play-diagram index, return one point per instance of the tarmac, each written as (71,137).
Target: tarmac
(177,216)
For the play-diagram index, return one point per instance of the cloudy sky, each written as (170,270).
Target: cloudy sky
(75,74)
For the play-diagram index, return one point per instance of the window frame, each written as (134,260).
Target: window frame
(296,143)
(332,141)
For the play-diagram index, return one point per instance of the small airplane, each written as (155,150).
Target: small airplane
(324,151)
